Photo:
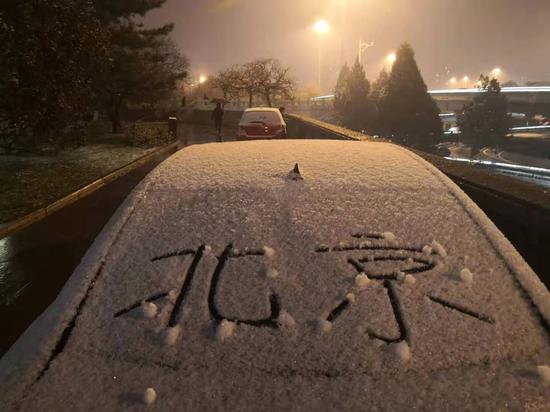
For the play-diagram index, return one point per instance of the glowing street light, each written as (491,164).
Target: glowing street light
(497,71)
(465,80)
(202,78)
(391,58)
(452,81)
(321,27)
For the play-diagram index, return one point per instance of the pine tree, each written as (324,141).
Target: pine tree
(407,111)
(352,98)
(144,65)
(485,121)
(341,95)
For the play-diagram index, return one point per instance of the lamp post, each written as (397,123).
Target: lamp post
(362,48)
(321,27)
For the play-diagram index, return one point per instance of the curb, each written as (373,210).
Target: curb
(33,217)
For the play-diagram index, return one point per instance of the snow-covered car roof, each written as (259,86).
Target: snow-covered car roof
(228,280)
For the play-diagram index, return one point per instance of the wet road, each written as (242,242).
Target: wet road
(36,262)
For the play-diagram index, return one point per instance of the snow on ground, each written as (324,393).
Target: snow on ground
(363,210)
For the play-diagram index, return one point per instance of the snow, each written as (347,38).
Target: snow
(362,281)
(149,396)
(402,351)
(350,297)
(269,252)
(544,374)
(409,280)
(439,249)
(466,276)
(468,342)
(271,273)
(172,335)
(225,330)
(427,250)
(285,320)
(323,325)
(149,310)
(389,237)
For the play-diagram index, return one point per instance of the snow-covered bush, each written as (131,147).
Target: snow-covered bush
(148,135)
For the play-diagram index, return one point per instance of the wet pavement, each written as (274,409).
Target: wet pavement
(36,262)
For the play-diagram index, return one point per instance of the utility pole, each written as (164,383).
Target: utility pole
(362,48)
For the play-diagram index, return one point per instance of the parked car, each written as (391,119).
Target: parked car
(262,123)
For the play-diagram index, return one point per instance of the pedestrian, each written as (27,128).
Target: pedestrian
(217,116)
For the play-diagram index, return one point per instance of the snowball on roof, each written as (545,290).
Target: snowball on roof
(544,374)
(271,273)
(225,330)
(401,350)
(149,396)
(389,237)
(324,326)
(171,335)
(269,252)
(466,276)
(362,281)
(286,320)
(149,310)
(439,249)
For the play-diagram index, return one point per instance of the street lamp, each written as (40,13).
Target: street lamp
(497,71)
(321,27)
(391,58)
(202,78)
(362,48)
(452,81)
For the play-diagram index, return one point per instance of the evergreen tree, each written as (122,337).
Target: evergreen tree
(144,66)
(341,92)
(51,50)
(485,121)
(407,111)
(378,92)
(352,98)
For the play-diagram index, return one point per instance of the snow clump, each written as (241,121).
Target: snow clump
(271,273)
(149,396)
(389,237)
(439,249)
(544,374)
(409,280)
(172,335)
(225,330)
(362,281)
(149,310)
(207,249)
(350,297)
(285,320)
(324,326)
(269,252)
(466,276)
(173,295)
(400,276)
(402,351)
(427,250)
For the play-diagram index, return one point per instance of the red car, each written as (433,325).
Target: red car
(262,123)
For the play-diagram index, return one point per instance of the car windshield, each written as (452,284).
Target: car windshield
(261,117)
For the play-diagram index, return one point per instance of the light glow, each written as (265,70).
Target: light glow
(202,78)
(391,58)
(321,27)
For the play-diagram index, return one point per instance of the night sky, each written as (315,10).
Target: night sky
(451,37)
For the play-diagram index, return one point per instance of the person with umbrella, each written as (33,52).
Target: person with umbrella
(217,116)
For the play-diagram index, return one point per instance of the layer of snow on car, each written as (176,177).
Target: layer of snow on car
(361,315)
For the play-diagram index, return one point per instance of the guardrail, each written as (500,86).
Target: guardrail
(306,127)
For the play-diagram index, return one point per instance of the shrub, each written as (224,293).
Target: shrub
(147,135)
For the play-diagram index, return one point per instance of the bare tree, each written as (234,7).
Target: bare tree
(273,80)
(229,81)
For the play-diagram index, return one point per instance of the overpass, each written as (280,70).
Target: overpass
(528,100)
